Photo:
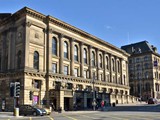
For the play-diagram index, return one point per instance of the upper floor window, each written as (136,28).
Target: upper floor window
(54,67)
(85,56)
(113,65)
(65,50)
(146,65)
(107,63)
(54,46)
(19,57)
(145,58)
(101,77)
(36,60)
(137,60)
(93,58)
(75,53)
(100,60)
(76,72)
(85,73)
(66,70)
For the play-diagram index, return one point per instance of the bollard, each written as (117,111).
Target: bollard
(16,112)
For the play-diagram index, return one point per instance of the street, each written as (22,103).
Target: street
(136,112)
(94,116)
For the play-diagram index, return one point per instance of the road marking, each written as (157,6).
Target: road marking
(30,118)
(50,118)
(111,116)
(88,116)
(8,119)
(70,117)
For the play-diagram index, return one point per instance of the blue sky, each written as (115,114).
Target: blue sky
(118,22)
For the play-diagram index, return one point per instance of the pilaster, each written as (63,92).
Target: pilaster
(72,57)
(81,60)
(61,53)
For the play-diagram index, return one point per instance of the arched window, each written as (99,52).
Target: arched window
(93,58)
(19,57)
(113,65)
(54,46)
(36,60)
(75,53)
(65,50)
(85,56)
(107,63)
(100,60)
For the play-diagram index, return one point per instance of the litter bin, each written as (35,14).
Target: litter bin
(113,104)
(16,112)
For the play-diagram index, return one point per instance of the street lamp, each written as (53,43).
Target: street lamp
(93,82)
(94,99)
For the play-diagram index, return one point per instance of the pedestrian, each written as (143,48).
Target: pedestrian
(102,105)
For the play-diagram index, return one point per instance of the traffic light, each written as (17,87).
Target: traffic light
(30,95)
(17,89)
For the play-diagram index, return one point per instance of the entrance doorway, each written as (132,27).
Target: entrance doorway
(66,103)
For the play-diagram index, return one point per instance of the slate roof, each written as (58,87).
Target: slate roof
(139,47)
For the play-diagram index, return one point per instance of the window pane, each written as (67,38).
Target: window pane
(65,50)
(36,60)
(66,70)
(54,46)
(76,72)
(54,68)
(75,53)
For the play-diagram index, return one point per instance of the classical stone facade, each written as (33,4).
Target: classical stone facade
(59,63)
(144,70)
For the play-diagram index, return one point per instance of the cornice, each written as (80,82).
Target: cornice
(49,19)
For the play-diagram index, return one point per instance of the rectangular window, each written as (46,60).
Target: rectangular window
(85,73)
(76,72)
(66,70)
(101,77)
(37,84)
(54,67)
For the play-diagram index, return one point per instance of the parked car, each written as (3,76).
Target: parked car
(48,111)
(31,110)
(152,101)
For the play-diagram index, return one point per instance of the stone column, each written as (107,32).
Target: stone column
(61,53)
(104,65)
(110,67)
(127,77)
(82,60)
(61,100)
(72,57)
(97,63)
(27,33)
(116,70)
(90,62)
(121,67)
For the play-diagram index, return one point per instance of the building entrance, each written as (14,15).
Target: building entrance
(67,103)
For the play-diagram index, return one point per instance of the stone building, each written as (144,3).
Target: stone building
(144,70)
(58,63)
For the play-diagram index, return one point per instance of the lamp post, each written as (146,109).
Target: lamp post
(94,100)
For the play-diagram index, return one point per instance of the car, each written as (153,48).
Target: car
(152,101)
(30,110)
(48,111)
